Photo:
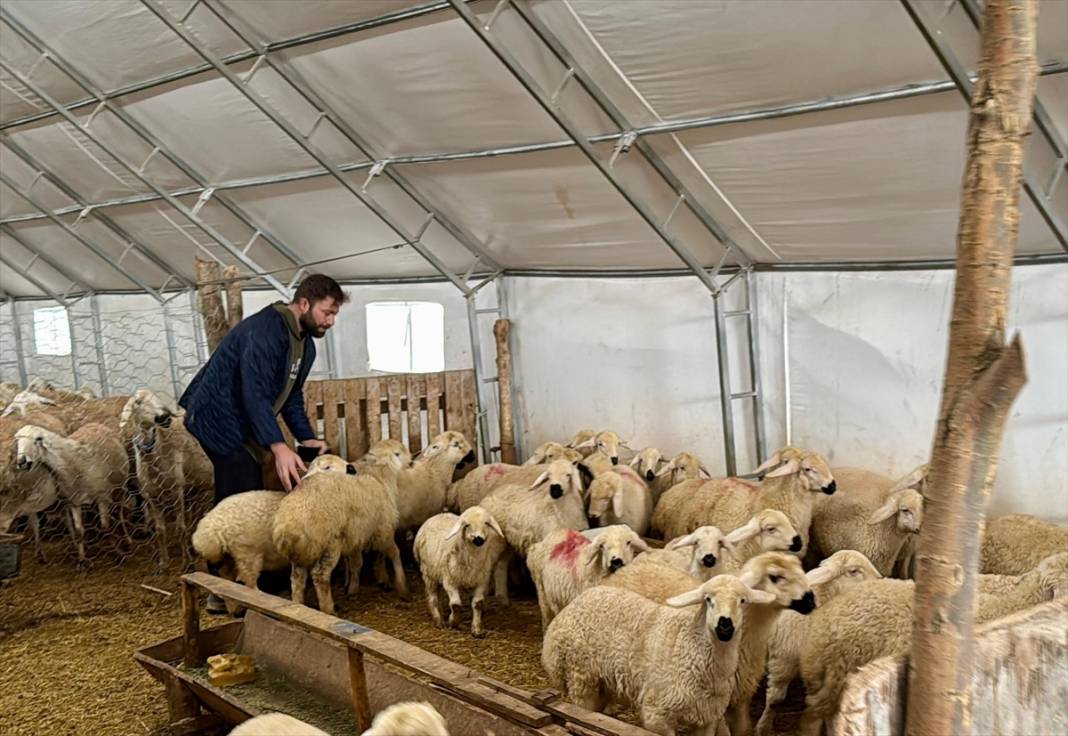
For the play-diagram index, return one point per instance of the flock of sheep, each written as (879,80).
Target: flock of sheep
(802,573)
(113,454)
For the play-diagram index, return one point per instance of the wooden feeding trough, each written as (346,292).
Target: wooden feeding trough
(336,674)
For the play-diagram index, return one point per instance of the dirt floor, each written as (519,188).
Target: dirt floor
(67,635)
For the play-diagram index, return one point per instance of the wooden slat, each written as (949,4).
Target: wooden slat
(550,700)
(332,396)
(414,391)
(394,392)
(313,397)
(374,410)
(361,706)
(469,407)
(454,400)
(354,391)
(433,404)
(191,655)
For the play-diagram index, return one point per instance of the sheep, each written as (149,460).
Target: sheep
(684,466)
(606,442)
(565,563)
(237,536)
(24,401)
(768,531)
(1047,581)
(549,451)
(422,489)
(476,485)
(647,462)
(90,466)
(408,719)
(703,553)
(835,574)
(456,553)
(730,502)
(1016,544)
(276,724)
(871,514)
(673,663)
(8,391)
(23,493)
(782,576)
(619,496)
(331,514)
(581,438)
(652,579)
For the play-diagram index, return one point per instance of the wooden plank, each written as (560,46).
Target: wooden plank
(394,393)
(332,396)
(361,705)
(415,390)
(190,626)
(374,410)
(195,726)
(354,392)
(181,703)
(433,404)
(469,408)
(550,700)
(232,710)
(313,398)
(216,639)
(454,400)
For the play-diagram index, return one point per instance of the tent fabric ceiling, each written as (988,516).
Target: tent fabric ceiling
(875,182)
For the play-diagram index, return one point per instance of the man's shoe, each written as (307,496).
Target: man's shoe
(215,605)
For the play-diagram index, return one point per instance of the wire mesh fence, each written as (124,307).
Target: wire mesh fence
(96,465)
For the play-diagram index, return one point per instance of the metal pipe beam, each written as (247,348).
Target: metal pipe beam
(726,408)
(301,85)
(110,224)
(476,361)
(942,49)
(831,103)
(31,278)
(313,151)
(20,355)
(51,262)
(172,353)
(100,252)
(98,342)
(753,343)
(73,350)
(528,82)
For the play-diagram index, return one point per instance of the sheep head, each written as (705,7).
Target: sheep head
(841,570)
(147,409)
(723,599)
(773,530)
(1052,576)
(615,546)
(327,463)
(449,447)
(905,506)
(684,466)
(475,524)
(708,543)
(647,462)
(550,451)
(31,446)
(783,576)
(560,477)
(605,491)
(393,451)
(811,468)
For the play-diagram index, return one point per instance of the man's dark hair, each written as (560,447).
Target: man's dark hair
(317,287)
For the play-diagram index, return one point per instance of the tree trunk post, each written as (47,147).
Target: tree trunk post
(501,328)
(234,305)
(983,376)
(209,289)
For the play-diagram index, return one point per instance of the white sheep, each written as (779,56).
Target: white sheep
(703,553)
(606,442)
(237,535)
(768,531)
(25,492)
(90,467)
(422,489)
(684,466)
(548,451)
(647,462)
(838,572)
(581,438)
(457,553)
(477,484)
(674,664)
(408,719)
(565,563)
(334,514)
(1015,544)
(651,578)
(276,724)
(728,503)
(619,496)
(1047,581)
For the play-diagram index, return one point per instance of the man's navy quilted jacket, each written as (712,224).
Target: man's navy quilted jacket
(231,397)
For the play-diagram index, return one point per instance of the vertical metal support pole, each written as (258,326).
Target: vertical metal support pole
(20,354)
(725,387)
(199,338)
(98,336)
(754,367)
(329,353)
(476,359)
(172,353)
(73,349)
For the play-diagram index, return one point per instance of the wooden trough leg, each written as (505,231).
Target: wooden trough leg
(191,625)
(361,704)
(181,703)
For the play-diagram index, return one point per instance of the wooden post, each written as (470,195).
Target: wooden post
(234,304)
(501,328)
(181,703)
(983,376)
(191,626)
(209,278)
(361,704)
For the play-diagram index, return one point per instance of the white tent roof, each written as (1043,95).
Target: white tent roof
(799,130)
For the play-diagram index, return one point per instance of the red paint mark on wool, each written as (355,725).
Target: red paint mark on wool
(496,471)
(567,551)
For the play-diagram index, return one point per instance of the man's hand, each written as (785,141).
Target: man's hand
(315,443)
(288,465)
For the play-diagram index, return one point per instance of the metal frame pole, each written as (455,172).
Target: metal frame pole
(20,354)
(172,353)
(753,327)
(45,258)
(726,409)
(98,339)
(199,338)
(73,349)
(476,360)
(32,279)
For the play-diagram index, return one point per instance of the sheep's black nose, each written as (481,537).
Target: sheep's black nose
(468,458)
(805,604)
(709,560)
(556,490)
(595,521)
(24,463)
(795,544)
(724,629)
(478,541)
(164,420)
(830,488)
(350,469)
(614,564)
(650,476)
(615,461)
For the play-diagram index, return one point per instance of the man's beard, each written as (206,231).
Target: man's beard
(307,324)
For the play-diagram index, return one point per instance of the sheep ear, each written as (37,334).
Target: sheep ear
(634,462)
(495,526)
(688,541)
(913,480)
(641,545)
(127,412)
(534,459)
(666,469)
(585,476)
(788,468)
(819,575)
(761,596)
(596,549)
(747,531)
(541,479)
(885,511)
(771,462)
(750,578)
(703,469)
(617,503)
(728,547)
(456,529)
(591,442)
(687,599)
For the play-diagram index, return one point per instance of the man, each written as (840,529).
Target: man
(256,373)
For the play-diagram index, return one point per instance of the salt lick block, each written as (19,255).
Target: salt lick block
(231,669)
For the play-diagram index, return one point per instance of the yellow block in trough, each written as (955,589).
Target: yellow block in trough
(231,669)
